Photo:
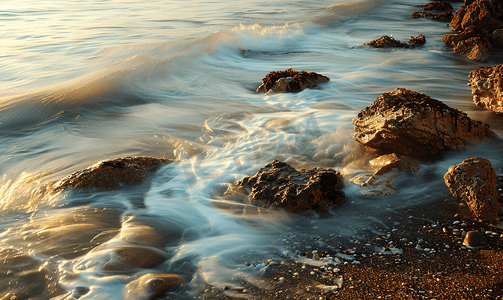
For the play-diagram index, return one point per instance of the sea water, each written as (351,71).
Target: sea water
(84,81)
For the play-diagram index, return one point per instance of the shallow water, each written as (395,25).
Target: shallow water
(87,81)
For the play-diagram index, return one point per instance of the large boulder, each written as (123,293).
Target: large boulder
(482,14)
(290,81)
(110,174)
(474,181)
(280,185)
(410,123)
(487,87)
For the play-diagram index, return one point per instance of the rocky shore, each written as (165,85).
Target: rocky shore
(451,248)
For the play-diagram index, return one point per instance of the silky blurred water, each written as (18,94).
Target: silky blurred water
(84,81)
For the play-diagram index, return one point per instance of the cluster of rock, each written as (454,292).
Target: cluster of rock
(443,11)
(479,25)
(279,185)
(290,81)
(389,42)
(487,87)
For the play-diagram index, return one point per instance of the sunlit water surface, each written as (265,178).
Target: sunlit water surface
(84,81)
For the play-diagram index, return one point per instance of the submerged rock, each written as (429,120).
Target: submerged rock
(387,168)
(150,285)
(389,42)
(487,87)
(110,174)
(290,81)
(474,181)
(410,123)
(280,185)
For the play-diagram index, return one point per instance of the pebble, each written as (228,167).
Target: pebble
(475,239)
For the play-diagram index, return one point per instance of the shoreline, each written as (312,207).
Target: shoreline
(423,258)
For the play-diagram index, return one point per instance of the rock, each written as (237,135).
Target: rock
(482,14)
(487,87)
(110,174)
(437,5)
(279,185)
(445,16)
(475,239)
(474,48)
(387,168)
(413,124)
(290,81)
(151,231)
(142,257)
(453,39)
(474,181)
(151,285)
(388,42)
(496,38)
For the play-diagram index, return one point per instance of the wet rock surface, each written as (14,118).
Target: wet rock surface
(150,285)
(487,87)
(290,81)
(411,123)
(389,42)
(280,185)
(111,174)
(474,181)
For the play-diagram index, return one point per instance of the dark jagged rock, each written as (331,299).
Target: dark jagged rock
(110,174)
(453,39)
(487,87)
(482,14)
(475,48)
(280,185)
(473,43)
(474,181)
(389,42)
(475,21)
(445,16)
(437,5)
(410,123)
(496,38)
(290,81)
